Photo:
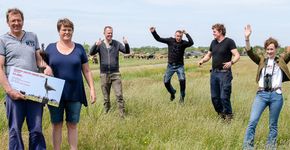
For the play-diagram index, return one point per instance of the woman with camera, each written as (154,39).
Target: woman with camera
(272,71)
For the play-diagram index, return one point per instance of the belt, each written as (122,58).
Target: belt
(175,64)
(269,90)
(220,70)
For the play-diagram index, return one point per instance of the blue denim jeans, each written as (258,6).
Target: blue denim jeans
(171,69)
(262,100)
(221,88)
(19,110)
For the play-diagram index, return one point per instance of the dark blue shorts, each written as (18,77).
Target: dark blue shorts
(72,112)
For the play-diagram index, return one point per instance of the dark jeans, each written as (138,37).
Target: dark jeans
(19,110)
(72,111)
(221,88)
(171,69)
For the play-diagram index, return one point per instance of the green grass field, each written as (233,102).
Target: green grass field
(153,122)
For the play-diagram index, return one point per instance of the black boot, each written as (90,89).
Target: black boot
(107,106)
(182,91)
(172,96)
(170,90)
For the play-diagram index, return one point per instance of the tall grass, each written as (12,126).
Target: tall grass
(153,122)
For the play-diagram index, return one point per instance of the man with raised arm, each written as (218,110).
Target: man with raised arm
(108,50)
(176,48)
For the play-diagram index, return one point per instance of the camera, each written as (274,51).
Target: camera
(268,82)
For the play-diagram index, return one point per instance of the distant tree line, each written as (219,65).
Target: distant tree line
(203,49)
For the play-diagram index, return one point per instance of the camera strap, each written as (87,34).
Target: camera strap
(267,65)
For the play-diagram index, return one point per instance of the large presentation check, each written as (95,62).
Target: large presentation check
(36,86)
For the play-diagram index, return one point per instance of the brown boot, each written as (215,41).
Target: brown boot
(181,100)
(122,114)
(228,118)
(122,109)
(222,115)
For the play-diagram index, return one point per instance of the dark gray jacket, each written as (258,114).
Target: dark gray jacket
(109,57)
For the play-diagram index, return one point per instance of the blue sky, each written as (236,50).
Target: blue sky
(132,19)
